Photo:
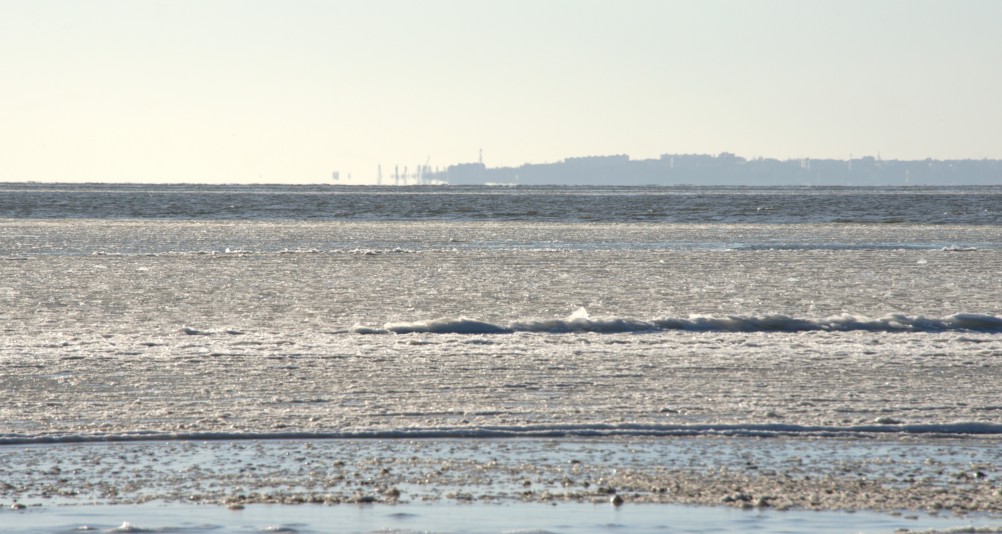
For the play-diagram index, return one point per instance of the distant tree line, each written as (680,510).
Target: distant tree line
(728,169)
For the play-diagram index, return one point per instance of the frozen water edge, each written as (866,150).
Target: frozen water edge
(552,485)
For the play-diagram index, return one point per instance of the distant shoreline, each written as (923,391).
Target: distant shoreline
(722,170)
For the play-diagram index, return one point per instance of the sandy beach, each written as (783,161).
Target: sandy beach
(888,475)
(691,484)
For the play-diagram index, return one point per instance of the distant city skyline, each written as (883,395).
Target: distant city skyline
(262,91)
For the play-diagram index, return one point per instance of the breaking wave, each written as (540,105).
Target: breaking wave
(580,321)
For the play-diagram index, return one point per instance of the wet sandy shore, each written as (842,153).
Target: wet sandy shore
(937,476)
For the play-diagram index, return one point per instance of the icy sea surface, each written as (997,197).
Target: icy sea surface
(138,313)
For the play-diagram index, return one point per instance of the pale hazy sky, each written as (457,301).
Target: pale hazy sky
(289,91)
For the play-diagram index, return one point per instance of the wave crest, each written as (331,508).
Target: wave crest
(580,321)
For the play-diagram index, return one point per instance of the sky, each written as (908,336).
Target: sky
(277,91)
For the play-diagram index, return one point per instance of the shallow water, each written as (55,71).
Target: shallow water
(466,518)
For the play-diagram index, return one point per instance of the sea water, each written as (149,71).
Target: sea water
(470,518)
(180,312)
